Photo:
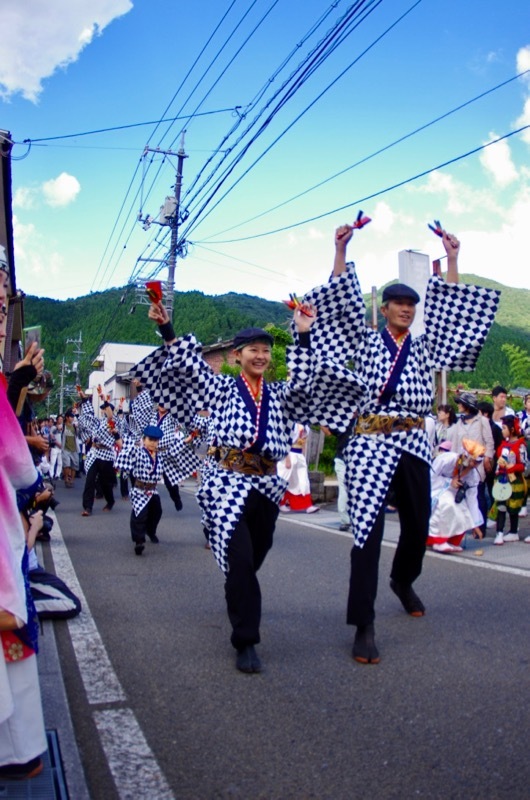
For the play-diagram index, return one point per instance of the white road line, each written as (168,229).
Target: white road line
(131,761)
(100,681)
(523,573)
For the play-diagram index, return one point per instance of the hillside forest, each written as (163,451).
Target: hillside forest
(116,316)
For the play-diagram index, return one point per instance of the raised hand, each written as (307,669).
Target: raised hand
(34,357)
(304,317)
(343,235)
(451,244)
(158,313)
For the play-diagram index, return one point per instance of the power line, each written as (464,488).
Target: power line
(238,51)
(253,103)
(317,55)
(121,127)
(188,117)
(375,194)
(195,221)
(371,155)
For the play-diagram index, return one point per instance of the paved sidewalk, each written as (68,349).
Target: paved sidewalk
(515,555)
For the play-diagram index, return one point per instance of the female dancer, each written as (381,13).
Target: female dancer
(253,425)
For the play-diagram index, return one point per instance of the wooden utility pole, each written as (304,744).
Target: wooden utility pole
(170,216)
(174,225)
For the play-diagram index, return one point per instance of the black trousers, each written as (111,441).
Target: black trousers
(107,478)
(482,504)
(411,492)
(146,523)
(248,546)
(124,485)
(173,492)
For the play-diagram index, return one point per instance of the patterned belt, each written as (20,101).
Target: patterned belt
(241,461)
(383,423)
(144,486)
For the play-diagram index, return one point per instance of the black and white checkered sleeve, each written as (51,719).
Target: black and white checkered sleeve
(458,319)
(178,378)
(141,410)
(126,458)
(88,424)
(340,319)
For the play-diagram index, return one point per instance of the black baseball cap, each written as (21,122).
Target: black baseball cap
(248,335)
(400,291)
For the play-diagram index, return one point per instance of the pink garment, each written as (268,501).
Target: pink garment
(17,471)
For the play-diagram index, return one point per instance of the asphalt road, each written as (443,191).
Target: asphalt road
(444,715)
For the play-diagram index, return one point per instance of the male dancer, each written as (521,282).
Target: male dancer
(391,386)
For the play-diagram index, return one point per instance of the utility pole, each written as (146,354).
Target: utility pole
(169,215)
(78,352)
(64,369)
(174,225)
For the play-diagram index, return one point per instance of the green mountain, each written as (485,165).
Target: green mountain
(113,316)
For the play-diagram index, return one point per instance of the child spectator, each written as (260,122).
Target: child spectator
(509,489)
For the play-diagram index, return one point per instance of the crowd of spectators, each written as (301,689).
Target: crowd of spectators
(503,468)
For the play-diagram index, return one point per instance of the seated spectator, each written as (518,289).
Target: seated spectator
(293,468)
(455,509)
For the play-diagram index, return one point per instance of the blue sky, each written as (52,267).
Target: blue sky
(105,64)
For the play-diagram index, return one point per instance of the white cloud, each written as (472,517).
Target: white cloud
(457,197)
(492,57)
(523,61)
(42,39)
(497,160)
(25,198)
(56,192)
(501,254)
(524,119)
(61,191)
(35,261)
(383,218)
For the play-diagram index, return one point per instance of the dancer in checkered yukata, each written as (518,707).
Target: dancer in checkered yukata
(387,376)
(178,460)
(143,463)
(253,423)
(104,434)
